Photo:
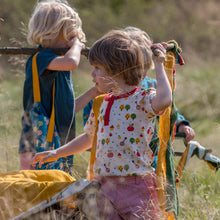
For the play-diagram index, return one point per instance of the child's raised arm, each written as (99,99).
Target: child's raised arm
(71,59)
(163,97)
(77,145)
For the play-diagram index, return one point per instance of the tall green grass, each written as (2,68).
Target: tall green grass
(199,194)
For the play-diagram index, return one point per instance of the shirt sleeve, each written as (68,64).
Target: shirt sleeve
(90,125)
(149,83)
(43,60)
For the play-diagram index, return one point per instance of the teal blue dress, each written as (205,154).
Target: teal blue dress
(64,104)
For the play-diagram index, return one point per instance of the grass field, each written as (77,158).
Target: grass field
(197,97)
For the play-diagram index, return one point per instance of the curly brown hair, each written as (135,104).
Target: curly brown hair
(120,56)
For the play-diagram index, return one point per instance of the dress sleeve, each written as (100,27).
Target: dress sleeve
(43,60)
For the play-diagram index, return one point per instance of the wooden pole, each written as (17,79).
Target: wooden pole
(59,51)
(30,51)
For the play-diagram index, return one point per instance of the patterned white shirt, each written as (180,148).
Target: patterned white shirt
(126,125)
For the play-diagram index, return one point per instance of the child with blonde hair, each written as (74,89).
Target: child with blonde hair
(125,125)
(53,24)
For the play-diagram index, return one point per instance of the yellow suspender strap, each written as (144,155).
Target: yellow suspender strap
(37,97)
(52,119)
(96,109)
(36,84)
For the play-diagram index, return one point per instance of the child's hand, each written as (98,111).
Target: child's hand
(46,156)
(75,41)
(188,131)
(159,51)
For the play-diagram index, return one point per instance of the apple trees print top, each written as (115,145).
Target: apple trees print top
(126,125)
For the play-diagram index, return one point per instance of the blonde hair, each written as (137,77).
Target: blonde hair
(52,18)
(145,42)
(120,56)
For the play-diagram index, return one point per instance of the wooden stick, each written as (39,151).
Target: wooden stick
(59,51)
(30,51)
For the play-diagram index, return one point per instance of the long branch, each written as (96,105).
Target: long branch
(30,51)
(59,51)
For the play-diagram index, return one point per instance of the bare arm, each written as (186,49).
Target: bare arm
(83,99)
(163,97)
(70,60)
(77,145)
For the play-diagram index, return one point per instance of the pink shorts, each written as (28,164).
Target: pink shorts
(129,198)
